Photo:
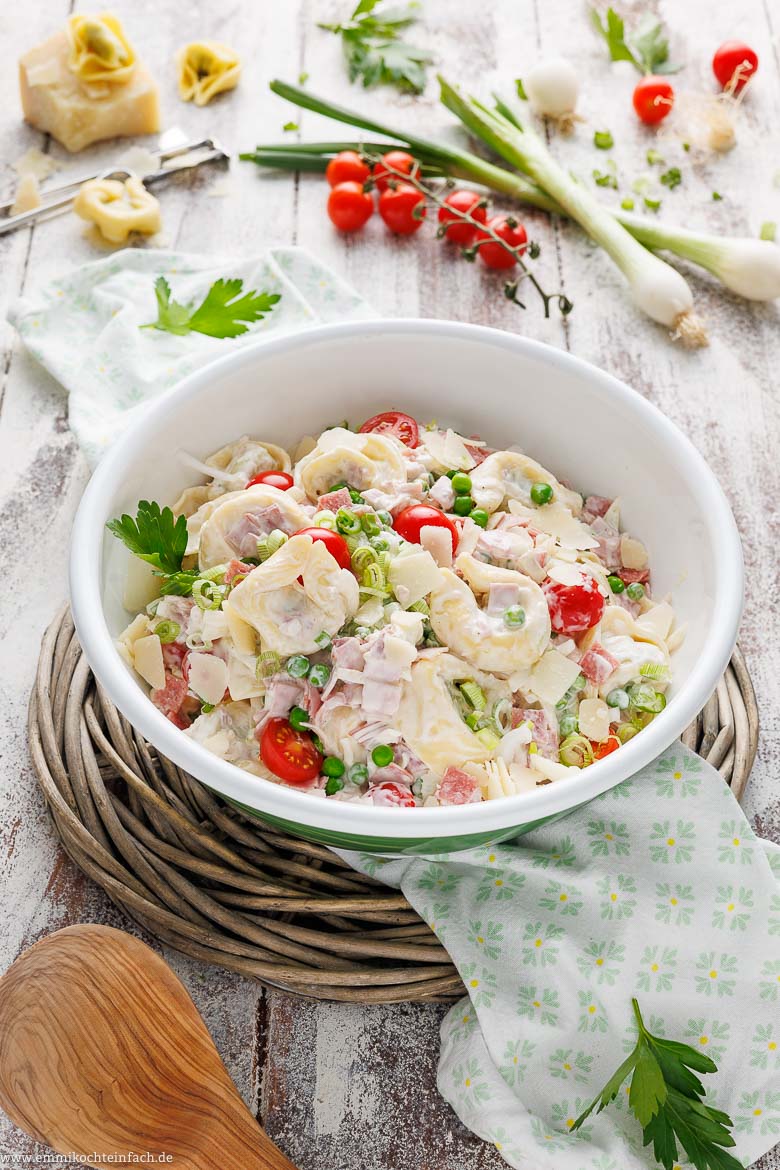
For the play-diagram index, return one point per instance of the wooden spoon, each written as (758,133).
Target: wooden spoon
(102,1051)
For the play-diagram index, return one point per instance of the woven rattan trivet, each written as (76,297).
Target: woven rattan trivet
(236,892)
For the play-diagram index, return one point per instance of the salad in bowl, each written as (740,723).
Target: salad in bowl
(395,615)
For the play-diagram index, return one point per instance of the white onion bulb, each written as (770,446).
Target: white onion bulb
(553,87)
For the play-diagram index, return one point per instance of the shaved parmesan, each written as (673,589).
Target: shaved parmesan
(633,554)
(142,585)
(27,197)
(656,623)
(242,680)
(448,449)
(408,625)
(35,162)
(551,769)
(552,676)
(557,521)
(438,542)
(208,677)
(140,161)
(138,628)
(413,576)
(243,635)
(594,718)
(148,660)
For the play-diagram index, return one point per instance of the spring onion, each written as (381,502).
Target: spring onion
(552,87)
(347,522)
(268,545)
(319,674)
(502,715)
(268,663)
(420,606)
(167,631)
(625,732)
(474,695)
(643,697)
(370,524)
(206,594)
(603,140)
(576,751)
(654,670)
(488,738)
(325,519)
(298,666)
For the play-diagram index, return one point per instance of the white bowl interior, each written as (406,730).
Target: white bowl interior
(580,423)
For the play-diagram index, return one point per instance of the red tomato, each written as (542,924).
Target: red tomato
(349,206)
(734,64)
(606,748)
(347,167)
(398,160)
(393,422)
(277,479)
(460,231)
(574,608)
(289,754)
(403,209)
(653,99)
(334,543)
(411,520)
(507,228)
(395,795)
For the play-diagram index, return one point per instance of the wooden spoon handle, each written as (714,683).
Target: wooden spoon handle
(102,1051)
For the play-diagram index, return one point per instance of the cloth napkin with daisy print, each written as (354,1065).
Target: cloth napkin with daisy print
(658,890)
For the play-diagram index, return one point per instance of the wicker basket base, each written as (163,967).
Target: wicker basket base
(233,891)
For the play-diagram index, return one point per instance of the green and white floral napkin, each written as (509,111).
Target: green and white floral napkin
(658,889)
(84,327)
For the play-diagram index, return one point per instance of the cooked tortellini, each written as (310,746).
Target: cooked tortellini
(99,52)
(510,475)
(341,456)
(509,632)
(289,615)
(231,468)
(240,519)
(206,68)
(118,208)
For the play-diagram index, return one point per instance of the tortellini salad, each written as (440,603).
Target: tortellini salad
(396,615)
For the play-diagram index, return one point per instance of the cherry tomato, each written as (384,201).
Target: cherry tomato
(289,754)
(393,422)
(508,229)
(398,160)
(349,206)
(395,795)
(411,520)
(653,99)
(277,479)
(334,543)
(347,167)
(460,231)
(734,64)
(403,209)
(574,608)
(605,748)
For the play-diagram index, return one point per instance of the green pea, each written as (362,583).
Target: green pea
(334,785)
(334,767)
(618,698)
(298,666)
(450,474)
(569,725)
(357,774)
(461,483)
(319,674)
(616,584)
(382,755)
(480,517)
(541,493)
(386,519)
(514,617)
(298,718)
(636,591)
(463,506)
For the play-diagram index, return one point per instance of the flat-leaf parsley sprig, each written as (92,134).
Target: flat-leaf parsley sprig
(666,1097)
(154,536)
(374,50)
(222,313)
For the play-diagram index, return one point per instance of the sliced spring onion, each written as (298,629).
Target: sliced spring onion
(420,606)
(370,524)
(576,751)
(268,663)
(268,545)
(625,732)
(655,670)
(207,595)
(167,631)
(603,139)
(644,697)
(347,522)
(488,738)
(325,519)
(474,695)
(502,715)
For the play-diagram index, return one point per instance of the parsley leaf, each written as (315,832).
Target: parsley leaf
(179,584)
(647,49)
(222,312)
(374,49)
(665,1096)
(672,178)
(154,536)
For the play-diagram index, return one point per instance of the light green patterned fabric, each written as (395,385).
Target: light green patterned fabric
(84,327)
(658,889)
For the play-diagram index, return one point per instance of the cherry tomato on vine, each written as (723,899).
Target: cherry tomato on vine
(411,520)
(349,206)
(393,422)
(508,229)
(289,754)
(460,231)
(734,63)
(653,99)
(403,209)
(605,748)
(574,608)
(390,793)
(334,543)
(277,479)
(347,167)
(397,160)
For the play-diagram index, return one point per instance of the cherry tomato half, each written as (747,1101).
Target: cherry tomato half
(397,160)
(393,422)
(734,64)
(574,608)
(460,231)
(334,543)
(653,99)
(289,754)
(347,167)
(413,519)
(403,209)
(277,479)
(394,795)
(606,748)
(349,206)
(508,229)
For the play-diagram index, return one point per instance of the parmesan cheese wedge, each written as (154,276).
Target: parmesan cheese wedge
(148,661)
(552,676)
(413,576)
(557,521)
(28,195)
(208,677)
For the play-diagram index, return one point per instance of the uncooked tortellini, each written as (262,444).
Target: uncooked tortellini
(99,52)
(206,68)
(118,208)
(510,475)
(361,461)
(240,519)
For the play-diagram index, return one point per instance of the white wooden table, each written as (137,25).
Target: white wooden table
(340,1087)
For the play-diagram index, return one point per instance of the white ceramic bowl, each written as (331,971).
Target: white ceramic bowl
(586,426)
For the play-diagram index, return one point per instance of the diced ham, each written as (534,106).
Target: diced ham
(442,493)
(280,696)
(598,664)
(244,534)
(236,569)
(458,787)
(169,699)
(347,653)
(595,506)
(335,500)
(501,596)
(392,773)
(174,654)
(390,795)
(479,454)
(381,699)
(545,733)
(395,497)
(632,575)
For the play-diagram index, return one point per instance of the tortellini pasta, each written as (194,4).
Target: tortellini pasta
(233,466)
(510,475)
(99,52)
(206,68)
(118,208)
(341,456)
(288,615)
(481,635)
(237,521)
